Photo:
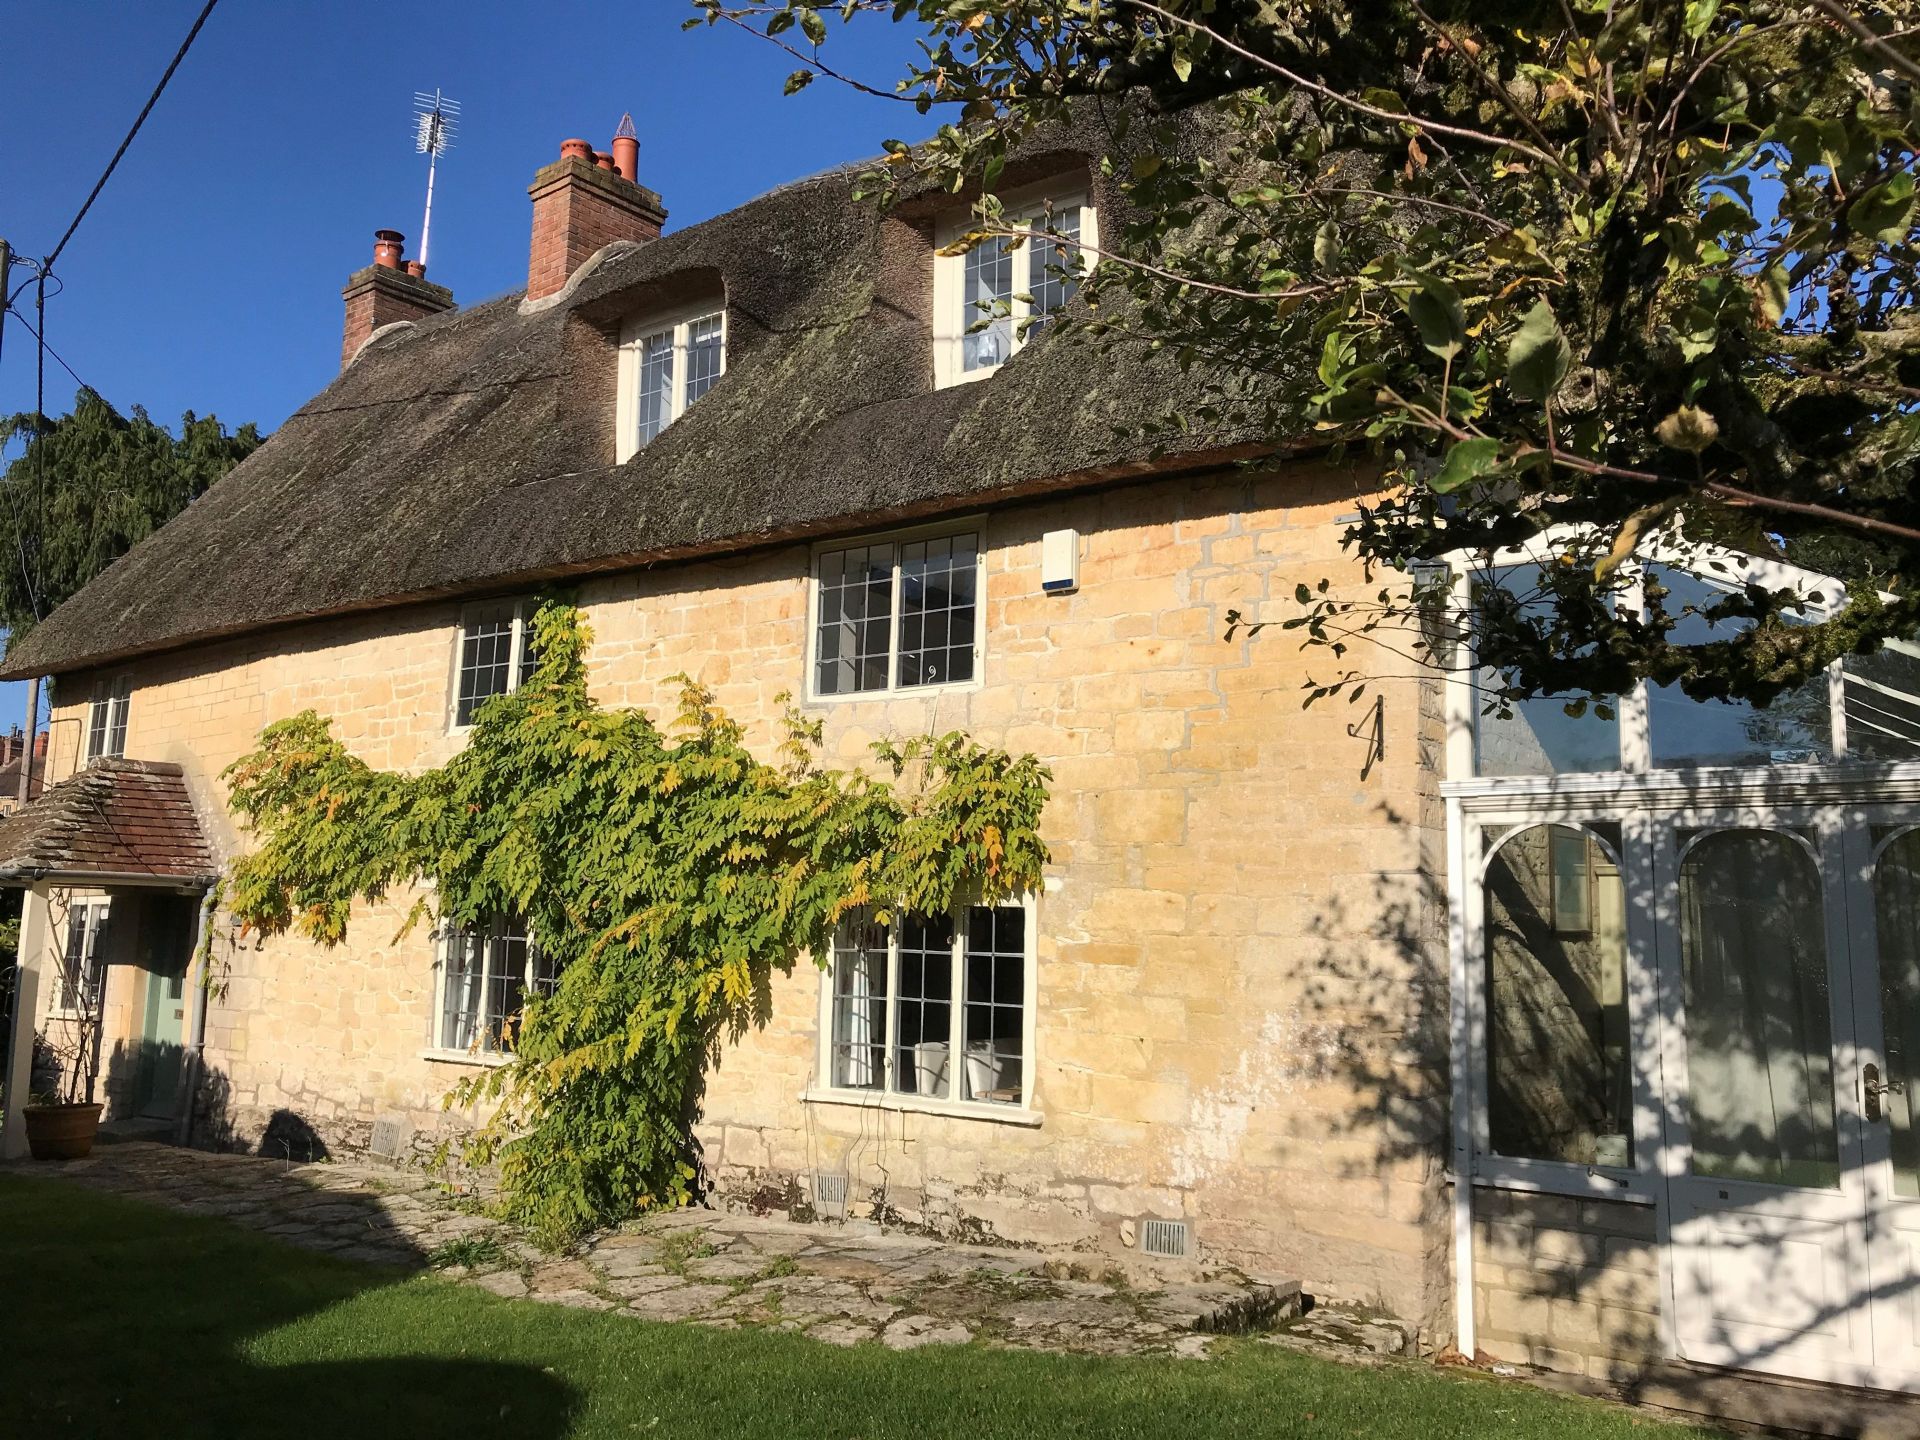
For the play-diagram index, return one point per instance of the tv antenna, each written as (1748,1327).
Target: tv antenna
(434,125)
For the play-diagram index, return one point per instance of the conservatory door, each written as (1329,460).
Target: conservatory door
(1768,1194)
(1884,900)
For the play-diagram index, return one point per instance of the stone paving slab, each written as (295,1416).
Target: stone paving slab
(840,1283)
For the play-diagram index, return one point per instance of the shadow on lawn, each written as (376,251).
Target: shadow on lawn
(123,1319)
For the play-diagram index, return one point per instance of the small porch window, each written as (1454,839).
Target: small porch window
(107,718)
(83,970)
(1863,708)
(487,973)
(906,1000)
(1558,1047)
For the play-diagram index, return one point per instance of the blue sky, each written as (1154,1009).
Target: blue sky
(208,274)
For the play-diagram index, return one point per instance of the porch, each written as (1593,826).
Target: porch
(116,873)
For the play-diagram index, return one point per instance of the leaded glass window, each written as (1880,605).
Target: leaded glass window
(487,973)
(897,615)
(497,654)
(993,296)
(933,1006)
(665,367)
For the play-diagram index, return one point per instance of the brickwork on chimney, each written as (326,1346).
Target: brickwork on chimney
(380,295)
(579,208)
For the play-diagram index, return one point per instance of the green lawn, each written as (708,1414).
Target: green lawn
(120,1319)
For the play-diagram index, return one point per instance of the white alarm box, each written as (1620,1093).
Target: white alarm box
(1060,561)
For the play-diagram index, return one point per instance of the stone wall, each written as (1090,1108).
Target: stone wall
(1566,1283)
(1241,961)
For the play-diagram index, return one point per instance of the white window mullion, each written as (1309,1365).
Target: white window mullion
(1633,712)
(518,647)
(893,622)
(959,1087)
(889,1081)
(682,358)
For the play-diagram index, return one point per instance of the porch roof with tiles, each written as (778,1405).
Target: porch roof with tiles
(117,820)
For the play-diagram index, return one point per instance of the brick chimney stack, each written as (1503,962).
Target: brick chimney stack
(584,201)
(390,289)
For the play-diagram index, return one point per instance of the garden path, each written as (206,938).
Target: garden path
(844,1283)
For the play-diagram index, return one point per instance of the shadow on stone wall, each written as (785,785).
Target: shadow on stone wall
(130,1319)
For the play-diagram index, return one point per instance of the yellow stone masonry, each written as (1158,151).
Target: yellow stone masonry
(1241,960)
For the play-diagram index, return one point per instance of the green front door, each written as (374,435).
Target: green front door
(166,927)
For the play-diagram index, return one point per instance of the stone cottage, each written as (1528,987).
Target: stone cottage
(1391,997)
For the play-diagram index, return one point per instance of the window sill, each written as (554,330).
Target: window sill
(1577,1182)
(900,692)
(952,1109)
(489,1060)
(970,377)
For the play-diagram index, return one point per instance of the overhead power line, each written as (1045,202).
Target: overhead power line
(15,312)
(139,120)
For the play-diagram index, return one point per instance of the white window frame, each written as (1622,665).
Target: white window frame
(1027,209)
(1025,1113)
(91,912)
(479,1053)
(1483,812)
(107,709)
(1825,596)
(523,612)
(634,334)
(973,524)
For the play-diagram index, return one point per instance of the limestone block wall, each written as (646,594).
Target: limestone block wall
(1241,965)
(1566,1283)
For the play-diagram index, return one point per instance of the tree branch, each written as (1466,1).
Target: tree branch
(1398,117)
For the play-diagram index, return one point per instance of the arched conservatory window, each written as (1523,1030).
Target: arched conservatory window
(1558,1078)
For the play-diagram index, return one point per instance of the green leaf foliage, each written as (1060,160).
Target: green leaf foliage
(1448,231)
(669,873)
(1538,358)
(90,485)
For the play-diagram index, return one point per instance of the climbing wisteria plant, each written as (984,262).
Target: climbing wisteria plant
(668,874)
(1628,265)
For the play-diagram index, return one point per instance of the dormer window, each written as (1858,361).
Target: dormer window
(667,361)
(995,298)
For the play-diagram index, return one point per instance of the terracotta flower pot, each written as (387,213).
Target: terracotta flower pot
(61,1132)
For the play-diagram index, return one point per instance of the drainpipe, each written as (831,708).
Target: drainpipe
(197,1033)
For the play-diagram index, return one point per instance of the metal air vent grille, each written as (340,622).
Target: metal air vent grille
(1169,1238)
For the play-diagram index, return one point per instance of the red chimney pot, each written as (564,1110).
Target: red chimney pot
(626,157)
(416,269)
(387,246)
(603,160)
(571,149)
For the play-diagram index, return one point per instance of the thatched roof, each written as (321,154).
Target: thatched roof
(116,819)
(474,451)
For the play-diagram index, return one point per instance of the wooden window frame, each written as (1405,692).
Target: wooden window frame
(1027,208)
(974,525)
(634,335)
(886,1095)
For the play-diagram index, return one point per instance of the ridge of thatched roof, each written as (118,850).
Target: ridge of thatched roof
(474,451)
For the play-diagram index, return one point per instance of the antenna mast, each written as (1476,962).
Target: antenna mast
(433,130)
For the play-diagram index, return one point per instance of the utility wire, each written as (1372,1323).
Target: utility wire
(14,311)
(139,120)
